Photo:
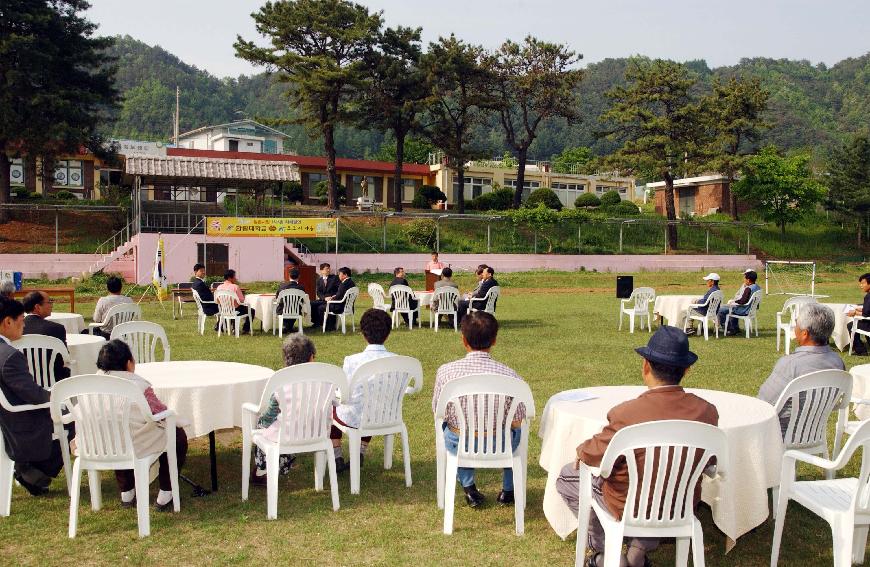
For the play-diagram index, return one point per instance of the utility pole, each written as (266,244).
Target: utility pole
(177,98)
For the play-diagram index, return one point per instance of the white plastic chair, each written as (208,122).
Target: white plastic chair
(142,338)
(485,303)
(379,297)
(41,352)
(349,300)
(100,406)
(660,503)
(844,503)
(484,436)
(812,398)
(857,331)
(445,301)
(118,314)
(402,296)
(201,317)
(305,393)
(227,302)
(642,300)
(293,304)
(382,384)
(712,303)
(786,318)
(750,320)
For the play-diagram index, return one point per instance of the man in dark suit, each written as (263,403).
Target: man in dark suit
(399,279)
(326,288)
(345,284)
(27,434)
(488,282)
(858,348)
(38,305)
(203,290)
(292,284)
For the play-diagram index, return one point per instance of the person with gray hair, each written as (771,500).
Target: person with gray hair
(297,349)
(813,328)
(7,288)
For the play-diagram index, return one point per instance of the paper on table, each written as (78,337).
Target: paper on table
(847,308)
(574,396)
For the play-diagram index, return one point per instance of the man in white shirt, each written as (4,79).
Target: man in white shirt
(375,326)
(114,286)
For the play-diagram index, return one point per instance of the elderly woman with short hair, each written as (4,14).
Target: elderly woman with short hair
(7,288)
(297,349)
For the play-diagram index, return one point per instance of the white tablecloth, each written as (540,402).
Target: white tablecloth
(673,307)
(208,394)
(739,502)
(861,389)
(72,322)
(261,303)
(841,320)
(84,350)
(424,297)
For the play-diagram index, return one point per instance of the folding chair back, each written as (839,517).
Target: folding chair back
(143,338)
(42,352)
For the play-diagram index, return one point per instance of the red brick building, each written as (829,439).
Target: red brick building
(697,196)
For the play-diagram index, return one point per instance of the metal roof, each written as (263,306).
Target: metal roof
(234,123)
(212,168)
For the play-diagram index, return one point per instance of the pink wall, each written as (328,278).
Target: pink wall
(255,259)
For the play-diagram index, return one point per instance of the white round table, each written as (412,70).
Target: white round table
(424,297)
(738,501)
(840,335)
(673,308)
(261,303)
(84,350)
(72,322)
(861,389)
(208,394)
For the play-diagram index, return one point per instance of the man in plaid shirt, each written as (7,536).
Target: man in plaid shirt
(479,330)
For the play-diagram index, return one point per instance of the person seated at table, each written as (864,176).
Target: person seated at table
(203,290)
(7,289)
(231,284)
(434,263)
(712,281)
(666,359)
(488,282)
(345,283)
(293,283)
(297,349)
(113,286)
(325,290)
(858,347)
(26,434)
(399,279)
(479,332)
(115,359)
(812,329)
(739,306)
(375,326)
(37,305)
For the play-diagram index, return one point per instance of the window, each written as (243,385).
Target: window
(687,200)
(16,172)
(270,147)
(601,189)
(68,173)
(474,186)
(528,186)
(375,186)
(310,181)
(409,189)
(622,190)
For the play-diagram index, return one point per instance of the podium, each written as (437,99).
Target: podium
(307,278)
(431,278)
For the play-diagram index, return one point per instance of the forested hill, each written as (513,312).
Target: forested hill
(811,106)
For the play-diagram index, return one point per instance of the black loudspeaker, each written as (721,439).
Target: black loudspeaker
(624,286)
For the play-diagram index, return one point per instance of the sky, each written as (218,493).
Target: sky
(202,32)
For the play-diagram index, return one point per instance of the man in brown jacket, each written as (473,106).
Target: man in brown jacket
(666,359)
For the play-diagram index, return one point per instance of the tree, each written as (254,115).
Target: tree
(394,91)
(531,84)
(781,188)
(456,102)
(660,122)
(574,160)
(318,48)
(416,150)
(849,180)
(735,109)
(56,82)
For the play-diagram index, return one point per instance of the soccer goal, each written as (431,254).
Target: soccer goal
(782,277)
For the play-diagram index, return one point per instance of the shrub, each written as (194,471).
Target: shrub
(610,198)
(496,200)
(292,191)
(623,208)
(431,194)
(420,202)
(421,232)
(546,196)
(322,192)
(21,193)
(587,200)
(64,195)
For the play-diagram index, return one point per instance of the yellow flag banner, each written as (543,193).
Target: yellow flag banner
(280,227)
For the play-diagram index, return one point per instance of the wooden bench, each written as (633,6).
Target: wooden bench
(69,293)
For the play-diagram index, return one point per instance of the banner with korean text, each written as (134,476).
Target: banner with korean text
(275,227)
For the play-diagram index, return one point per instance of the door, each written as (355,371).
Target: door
(215,258)
(234,145)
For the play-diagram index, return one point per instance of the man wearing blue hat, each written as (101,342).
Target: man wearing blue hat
(666,359)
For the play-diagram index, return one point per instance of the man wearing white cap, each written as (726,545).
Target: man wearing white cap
(712,280)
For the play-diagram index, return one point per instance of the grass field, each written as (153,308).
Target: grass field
(558,330)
